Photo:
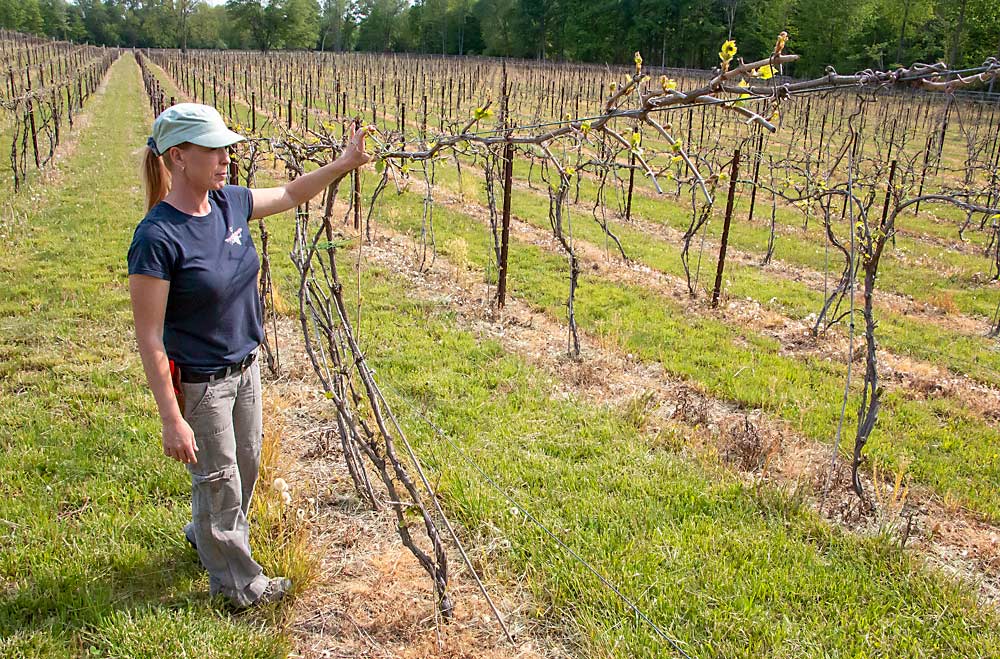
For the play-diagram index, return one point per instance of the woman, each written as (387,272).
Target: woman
(193,284)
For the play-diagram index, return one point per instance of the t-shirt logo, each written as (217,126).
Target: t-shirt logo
(235,236)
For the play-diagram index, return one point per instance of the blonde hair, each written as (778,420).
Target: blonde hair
(155,178)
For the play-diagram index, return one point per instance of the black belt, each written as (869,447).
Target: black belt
(224,372)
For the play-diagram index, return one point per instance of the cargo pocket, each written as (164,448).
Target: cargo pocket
(214,493)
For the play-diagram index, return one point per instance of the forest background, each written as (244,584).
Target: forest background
(848,34)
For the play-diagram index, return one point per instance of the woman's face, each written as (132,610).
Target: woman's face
(204,168)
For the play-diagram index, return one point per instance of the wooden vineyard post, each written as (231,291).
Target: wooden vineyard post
(253,112)
(941,138)
(888,198)
(34,133)
(55,114)
(423,121)
(725,228)
(508,175)
(923,173)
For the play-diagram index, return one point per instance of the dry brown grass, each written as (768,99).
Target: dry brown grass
(281,541)
(362,594)
(944,301)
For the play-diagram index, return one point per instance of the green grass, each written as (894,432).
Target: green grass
(913,268)
(92,558)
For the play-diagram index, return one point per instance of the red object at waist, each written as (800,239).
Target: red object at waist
(175,378)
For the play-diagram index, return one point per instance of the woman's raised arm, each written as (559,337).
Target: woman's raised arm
(269,201)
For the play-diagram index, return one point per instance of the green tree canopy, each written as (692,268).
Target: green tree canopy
(848,34)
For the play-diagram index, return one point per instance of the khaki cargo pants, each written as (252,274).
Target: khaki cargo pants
(225,415)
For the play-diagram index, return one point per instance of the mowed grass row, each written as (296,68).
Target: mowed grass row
(945,446)
(91,554)
(975,356)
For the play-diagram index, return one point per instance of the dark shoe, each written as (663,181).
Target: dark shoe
(189,536)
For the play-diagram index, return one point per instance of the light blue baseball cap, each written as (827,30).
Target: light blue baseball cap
(190,122)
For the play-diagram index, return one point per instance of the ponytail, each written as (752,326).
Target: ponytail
(155,178)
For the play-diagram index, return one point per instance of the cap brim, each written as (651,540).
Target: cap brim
(217,139)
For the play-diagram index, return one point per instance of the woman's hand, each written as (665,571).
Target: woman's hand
(268,201)
(178,441)
(354,154)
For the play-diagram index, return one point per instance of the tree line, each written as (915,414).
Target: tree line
(847,34)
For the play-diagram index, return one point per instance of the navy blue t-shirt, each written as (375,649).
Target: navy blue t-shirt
(213,315)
